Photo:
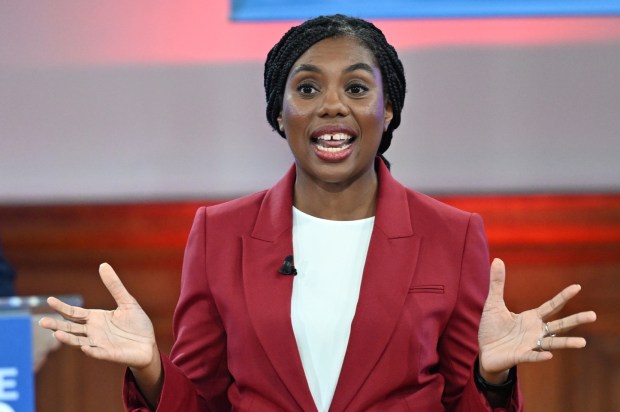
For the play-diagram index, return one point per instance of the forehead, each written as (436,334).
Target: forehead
(343,51)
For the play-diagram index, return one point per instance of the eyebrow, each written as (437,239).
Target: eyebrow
(306,68)
(359,66)
(315,69)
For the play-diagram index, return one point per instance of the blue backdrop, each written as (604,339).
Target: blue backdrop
(399,9)
(16,376)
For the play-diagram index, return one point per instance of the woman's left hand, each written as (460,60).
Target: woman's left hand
(507,339)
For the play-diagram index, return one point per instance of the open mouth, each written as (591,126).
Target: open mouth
(333,142)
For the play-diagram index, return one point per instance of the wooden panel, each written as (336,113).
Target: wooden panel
(547,242)
(57,249)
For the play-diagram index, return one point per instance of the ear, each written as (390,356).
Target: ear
(388,114)
(280,123)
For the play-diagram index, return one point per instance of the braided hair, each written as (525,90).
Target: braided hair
(300,38)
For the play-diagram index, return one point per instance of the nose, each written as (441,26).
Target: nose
(333,104)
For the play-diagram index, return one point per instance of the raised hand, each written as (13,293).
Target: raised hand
(507,339)
(124,335)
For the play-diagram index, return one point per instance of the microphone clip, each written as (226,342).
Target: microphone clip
(287,267)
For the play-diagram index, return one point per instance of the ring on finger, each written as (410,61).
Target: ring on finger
(539,346)
(548,331)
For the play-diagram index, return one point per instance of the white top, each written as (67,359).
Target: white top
(329,257)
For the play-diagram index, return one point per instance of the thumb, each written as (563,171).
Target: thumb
(114,285)
(498,279)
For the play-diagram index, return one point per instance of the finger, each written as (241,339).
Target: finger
(48,323)
(569,322)
(74,328)
(556,304)
(535,355)
(73,340)
(114,285)
(550,343)
(74,313)
(498,279)
(68,327)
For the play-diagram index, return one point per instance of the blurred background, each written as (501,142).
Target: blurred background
(118,119)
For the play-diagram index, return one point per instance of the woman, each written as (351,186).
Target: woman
(338,288)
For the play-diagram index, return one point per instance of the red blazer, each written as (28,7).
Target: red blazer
(413,340)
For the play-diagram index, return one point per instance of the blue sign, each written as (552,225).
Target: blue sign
(16,375)
(270,10)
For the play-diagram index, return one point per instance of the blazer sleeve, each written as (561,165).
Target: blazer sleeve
(458,345)
(196,375)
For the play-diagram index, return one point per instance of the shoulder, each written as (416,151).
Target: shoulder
(432,217)
(275,198)
(427,206)
(237,207)
(392,195)
(239,213)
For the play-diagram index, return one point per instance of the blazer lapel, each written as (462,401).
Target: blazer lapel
(389,268)
(268,293)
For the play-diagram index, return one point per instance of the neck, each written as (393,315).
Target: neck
(337,201)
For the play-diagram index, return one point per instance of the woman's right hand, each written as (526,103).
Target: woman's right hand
(124,335)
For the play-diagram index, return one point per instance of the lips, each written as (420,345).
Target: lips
(333,143)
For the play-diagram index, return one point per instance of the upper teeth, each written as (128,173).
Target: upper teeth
(336,136)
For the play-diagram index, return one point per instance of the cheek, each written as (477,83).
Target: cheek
(292,110)
(374,105)
(373,114)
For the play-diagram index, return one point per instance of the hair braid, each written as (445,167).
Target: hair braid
(300,38)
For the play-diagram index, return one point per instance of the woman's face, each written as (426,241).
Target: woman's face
(334,112)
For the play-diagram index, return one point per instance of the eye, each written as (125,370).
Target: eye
(307,89)
(357,89)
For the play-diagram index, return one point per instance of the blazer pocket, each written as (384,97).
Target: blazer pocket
(427,289)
